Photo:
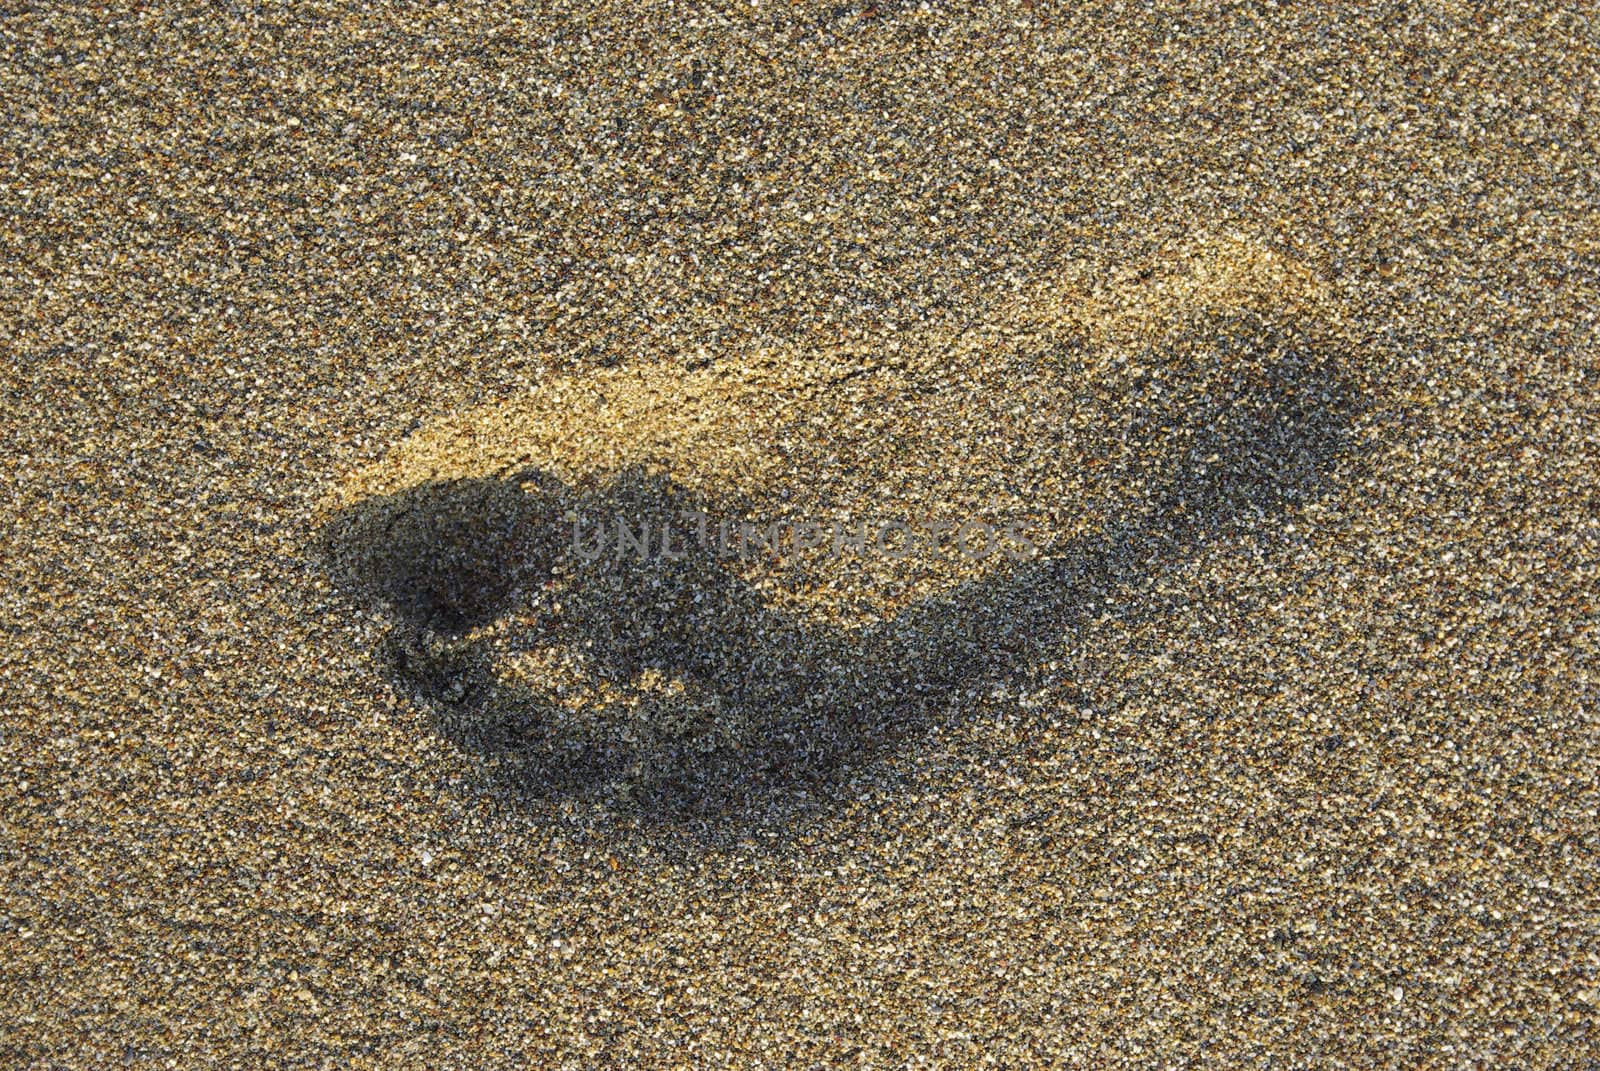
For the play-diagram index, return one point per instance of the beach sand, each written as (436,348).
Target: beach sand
(1269,739)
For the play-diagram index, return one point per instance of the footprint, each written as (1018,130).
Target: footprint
(695,591)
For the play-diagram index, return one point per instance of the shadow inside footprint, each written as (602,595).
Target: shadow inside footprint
(446,556)
(747,708)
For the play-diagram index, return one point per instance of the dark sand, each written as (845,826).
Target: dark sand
(1277,327)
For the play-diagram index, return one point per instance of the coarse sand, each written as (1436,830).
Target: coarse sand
(800,535)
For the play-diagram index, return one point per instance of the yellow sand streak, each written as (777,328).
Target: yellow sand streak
(721,426)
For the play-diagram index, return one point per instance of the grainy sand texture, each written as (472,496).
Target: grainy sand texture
(800,535)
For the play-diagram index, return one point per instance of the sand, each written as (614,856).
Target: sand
(1271,741)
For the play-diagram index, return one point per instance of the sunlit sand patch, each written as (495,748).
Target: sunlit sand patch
(1002,425)
(648,706)
(699,422)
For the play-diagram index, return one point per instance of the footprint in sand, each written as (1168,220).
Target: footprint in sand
(693,589)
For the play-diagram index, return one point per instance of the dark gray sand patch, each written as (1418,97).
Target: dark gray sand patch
(668,688)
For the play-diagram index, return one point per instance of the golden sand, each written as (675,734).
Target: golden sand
(1276,325)
(933,425)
